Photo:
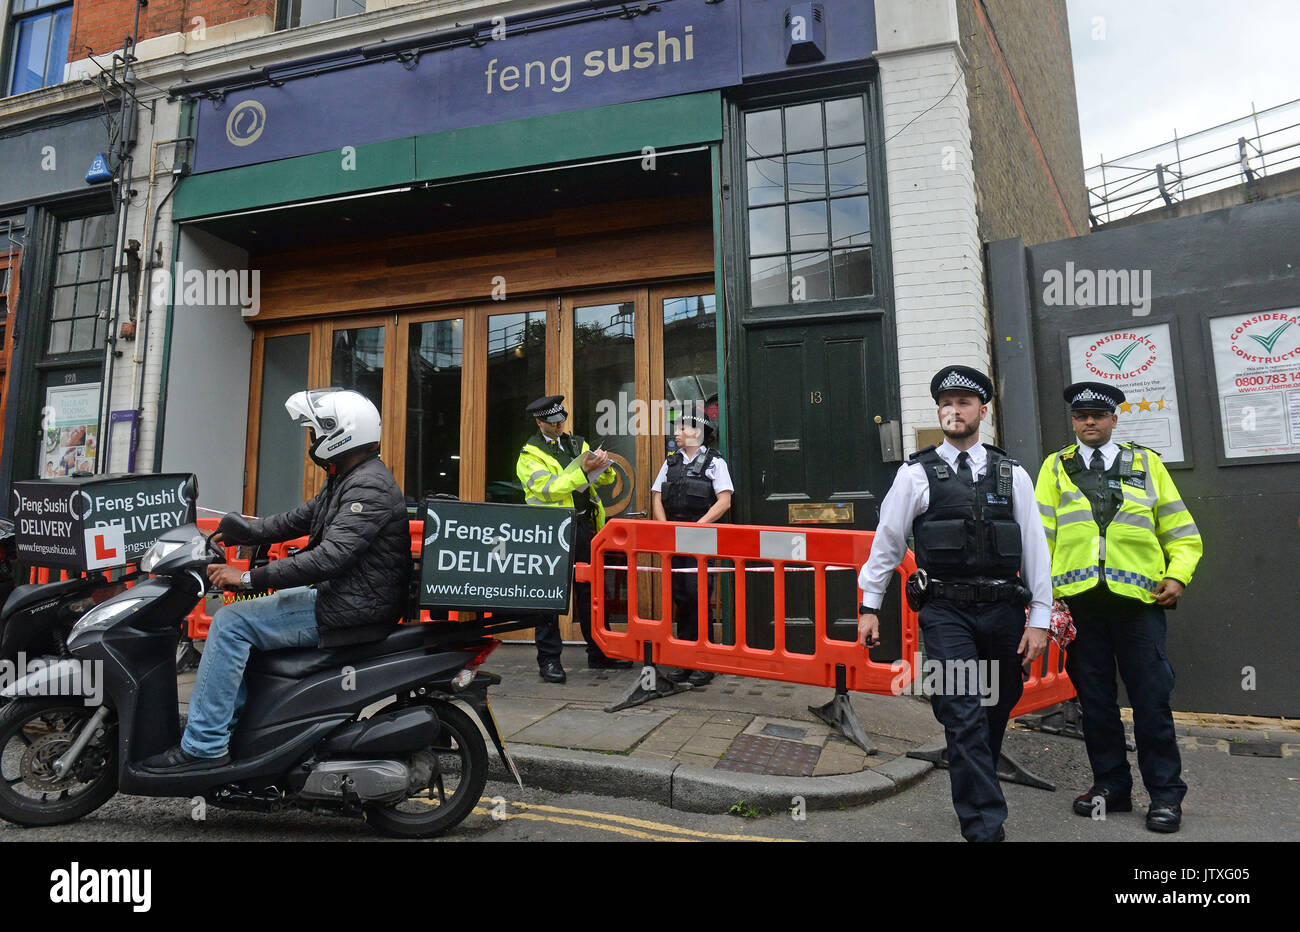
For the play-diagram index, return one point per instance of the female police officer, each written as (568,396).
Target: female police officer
(693,484)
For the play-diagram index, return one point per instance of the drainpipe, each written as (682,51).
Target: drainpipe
(140,358)
(187,120)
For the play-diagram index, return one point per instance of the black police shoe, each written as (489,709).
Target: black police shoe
(700,678)
(175,760)
(1112,801)
(674,674)
(552,672)
(608,663)
(1164,817)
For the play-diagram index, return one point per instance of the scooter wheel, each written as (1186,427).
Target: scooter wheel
(455,789)
(33,734)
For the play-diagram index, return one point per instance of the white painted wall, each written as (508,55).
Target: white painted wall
(208,383)
(934,230)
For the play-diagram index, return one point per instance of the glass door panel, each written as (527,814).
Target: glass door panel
(605,408)
(433,400)
(280,443)
(690,354)
(357,362)
(516,375)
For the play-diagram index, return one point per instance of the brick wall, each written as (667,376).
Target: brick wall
(100,26)
(1024,119)
(938,273)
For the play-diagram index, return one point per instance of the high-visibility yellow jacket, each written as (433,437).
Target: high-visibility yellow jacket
(1151,536)
(547,482)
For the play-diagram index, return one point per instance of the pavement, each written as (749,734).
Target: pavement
(739,742)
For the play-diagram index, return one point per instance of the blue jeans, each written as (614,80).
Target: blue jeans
(274,622)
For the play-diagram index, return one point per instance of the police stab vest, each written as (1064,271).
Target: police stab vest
(1104,489)
(968,530)
(687,492)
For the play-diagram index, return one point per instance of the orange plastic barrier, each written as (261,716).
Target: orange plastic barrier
(1048,682)
(779,550)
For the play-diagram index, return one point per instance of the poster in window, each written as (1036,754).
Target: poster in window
(1257,369)
(1139,361)
(70,430)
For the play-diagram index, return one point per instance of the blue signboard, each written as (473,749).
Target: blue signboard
(680,47)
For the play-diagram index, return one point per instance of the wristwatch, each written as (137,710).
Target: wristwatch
(246,580)
(864,609)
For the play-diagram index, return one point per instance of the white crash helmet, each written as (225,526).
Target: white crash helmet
(340,422)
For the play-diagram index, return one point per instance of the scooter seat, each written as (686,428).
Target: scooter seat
(298,662)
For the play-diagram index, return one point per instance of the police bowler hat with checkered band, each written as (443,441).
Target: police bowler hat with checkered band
(961,379)
(1093,396)
(548,409)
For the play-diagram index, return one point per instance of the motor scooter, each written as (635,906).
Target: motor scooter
(38,617)
(311,734)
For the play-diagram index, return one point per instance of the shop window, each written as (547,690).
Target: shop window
(4,322)
(295,13)
(38,44)
(82,285)
(807,202)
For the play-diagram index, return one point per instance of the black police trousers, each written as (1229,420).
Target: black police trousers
(686,598)
(974,713)
(547,633)
(1113,631)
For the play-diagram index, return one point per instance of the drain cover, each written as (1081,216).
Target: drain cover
(784,731)
(772,756)
(1255,749)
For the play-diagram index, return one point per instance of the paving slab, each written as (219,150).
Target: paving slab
(514,716)
(591,730)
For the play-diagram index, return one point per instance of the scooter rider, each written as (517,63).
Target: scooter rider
(349,585)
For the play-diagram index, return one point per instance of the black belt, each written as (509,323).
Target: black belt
(968,592)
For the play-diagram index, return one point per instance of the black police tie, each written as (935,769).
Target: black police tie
(963,467)
(1098,463)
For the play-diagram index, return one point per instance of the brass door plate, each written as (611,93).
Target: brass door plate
(820,512)
(928,437)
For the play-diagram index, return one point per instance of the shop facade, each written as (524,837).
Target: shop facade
(57,236)
(562,223)
(768,208)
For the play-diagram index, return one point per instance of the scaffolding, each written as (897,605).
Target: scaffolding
(1240,151)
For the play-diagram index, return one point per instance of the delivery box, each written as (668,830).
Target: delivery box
(98,522)
(512,559)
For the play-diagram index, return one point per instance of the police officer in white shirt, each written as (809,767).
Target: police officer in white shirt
(981,547)
(693,484)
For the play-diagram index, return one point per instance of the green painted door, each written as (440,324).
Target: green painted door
(812,451)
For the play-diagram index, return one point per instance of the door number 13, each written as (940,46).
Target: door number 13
(814,398)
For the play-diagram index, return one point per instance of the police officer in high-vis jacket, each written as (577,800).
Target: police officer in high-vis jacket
(981,552)
(559,469)
(1123,547)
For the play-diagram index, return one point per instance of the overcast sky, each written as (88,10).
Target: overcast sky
(1143,68)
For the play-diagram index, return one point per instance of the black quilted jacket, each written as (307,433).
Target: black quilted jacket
(358,555)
